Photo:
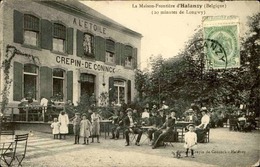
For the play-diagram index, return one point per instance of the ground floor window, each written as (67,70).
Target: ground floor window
(30,79)
(87,84)
(58,83)
(119,94)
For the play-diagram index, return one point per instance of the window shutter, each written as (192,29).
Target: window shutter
(46,84)
(111,90)
(18,27)
(110,46)
(135,58)
(118,53)
(70,41)
(46,32)
(70,85)
(96,49)
(18,81)
(100,48)
(80,49)
(123,54)
(129,91)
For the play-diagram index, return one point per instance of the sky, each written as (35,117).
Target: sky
(166,34)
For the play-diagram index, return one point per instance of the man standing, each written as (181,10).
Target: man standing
(44,104)
(130,124)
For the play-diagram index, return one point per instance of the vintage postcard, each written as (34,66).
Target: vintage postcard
(129,83)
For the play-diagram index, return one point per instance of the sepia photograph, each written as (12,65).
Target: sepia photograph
(129,83)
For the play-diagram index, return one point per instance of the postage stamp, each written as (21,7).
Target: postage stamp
(227,37)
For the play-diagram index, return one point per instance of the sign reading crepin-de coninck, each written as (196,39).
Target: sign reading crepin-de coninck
(224,30)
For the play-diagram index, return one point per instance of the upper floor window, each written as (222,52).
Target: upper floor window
(128,56)
(110,51)
(59,37)
(88,44)
(31,30)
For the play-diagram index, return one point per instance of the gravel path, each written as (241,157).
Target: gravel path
(225,149)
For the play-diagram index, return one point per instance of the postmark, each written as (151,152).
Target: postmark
(226,36)
(216,50)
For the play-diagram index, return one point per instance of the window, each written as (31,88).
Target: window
(128,56)
(110,51)
(119,94)
(30,80)
(128,61)
(109,57)
(88,45)
(59,37)
(87,84)
(31,30)
(58,83)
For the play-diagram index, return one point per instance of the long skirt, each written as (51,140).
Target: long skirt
(201,135)
(95,128)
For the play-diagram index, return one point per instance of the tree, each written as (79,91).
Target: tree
(183,79)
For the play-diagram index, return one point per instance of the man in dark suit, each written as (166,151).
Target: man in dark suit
(118,125)
(156,122)
(130,123)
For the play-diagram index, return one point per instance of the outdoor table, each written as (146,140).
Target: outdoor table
(105,126)
(182,123)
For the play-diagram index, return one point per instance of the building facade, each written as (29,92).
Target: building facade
(79,51)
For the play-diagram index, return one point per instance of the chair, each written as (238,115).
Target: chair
(206,139)
(171,138)
(18,152)
(168,140)
(233,124)
(7,130)
(132,137)
(241,125)
(180,132)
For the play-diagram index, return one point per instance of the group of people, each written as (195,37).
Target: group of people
(82,127)
(159,125)
(240,121)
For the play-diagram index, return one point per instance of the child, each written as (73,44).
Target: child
(55,128)
(190,140)
(85,127)
(76,127)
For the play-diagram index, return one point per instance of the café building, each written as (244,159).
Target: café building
(78,51)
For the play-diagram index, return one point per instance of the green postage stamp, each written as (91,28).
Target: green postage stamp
(225,33)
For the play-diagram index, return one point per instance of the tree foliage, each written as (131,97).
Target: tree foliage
(183,79)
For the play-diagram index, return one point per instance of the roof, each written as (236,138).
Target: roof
(76,7)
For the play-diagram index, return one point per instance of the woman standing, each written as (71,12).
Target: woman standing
(64,122)
(95,119)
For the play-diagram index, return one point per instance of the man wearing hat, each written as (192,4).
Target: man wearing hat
(76,127)
(204,126)
(130,123)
